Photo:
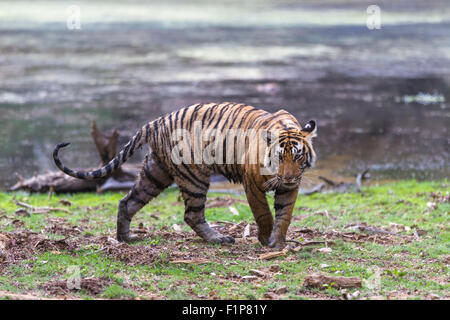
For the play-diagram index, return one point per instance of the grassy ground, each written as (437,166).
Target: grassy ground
(53,254)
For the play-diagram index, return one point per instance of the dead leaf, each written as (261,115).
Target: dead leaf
(233,210)
(4,241)
(396,227)
(324,250)
(112,241)
(249,278)
(246,231)
(434,296)
(350,296)
(432,205)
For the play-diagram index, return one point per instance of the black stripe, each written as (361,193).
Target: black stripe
(108,168)
(165,142)
(116,162)
(96,174)
(244,117)
(80,175)
(211,119)
(195,209)
(186,177)
(155,194)
(279,206)
(171,121)
(125,151)
(147,131)
(263,202)
(182,117)
(221,113)
(197,195)
(156,182)
(155,131)
(136,138)
(206,184)
(231,115)
(193,115)
(205,115)
(138,200)
(281,192)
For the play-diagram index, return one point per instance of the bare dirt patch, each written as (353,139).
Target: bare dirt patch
(20,245)
(93,285)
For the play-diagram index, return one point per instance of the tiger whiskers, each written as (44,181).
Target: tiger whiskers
(272,183)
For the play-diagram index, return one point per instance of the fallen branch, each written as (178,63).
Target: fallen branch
(193,261)
(340,186)
(37,210)
(322,281)
(360,177)
(317,188)
(375,231)
(309,243)
(272,254)
(329,181)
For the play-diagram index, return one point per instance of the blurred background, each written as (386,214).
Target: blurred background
(380,97)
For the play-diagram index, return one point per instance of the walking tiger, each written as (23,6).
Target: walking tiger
(288,155)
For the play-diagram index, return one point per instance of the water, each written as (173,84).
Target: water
(380,97)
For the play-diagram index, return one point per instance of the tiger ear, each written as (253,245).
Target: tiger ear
(309,130)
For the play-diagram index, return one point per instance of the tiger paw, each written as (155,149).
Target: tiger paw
(263,239)
(276,243)
(127,237)
(221,239)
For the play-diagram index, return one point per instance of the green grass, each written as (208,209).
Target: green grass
(395,269)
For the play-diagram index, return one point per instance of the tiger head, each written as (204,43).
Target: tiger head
(295,154)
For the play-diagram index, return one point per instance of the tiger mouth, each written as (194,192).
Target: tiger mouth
(276,182)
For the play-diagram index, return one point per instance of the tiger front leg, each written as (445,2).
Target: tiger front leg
(284,204)
(261,212)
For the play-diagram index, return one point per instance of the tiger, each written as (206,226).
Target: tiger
(291,152)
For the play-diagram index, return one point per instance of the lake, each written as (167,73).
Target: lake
(380,97)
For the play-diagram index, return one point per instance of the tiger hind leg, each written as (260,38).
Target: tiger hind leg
(151,181)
